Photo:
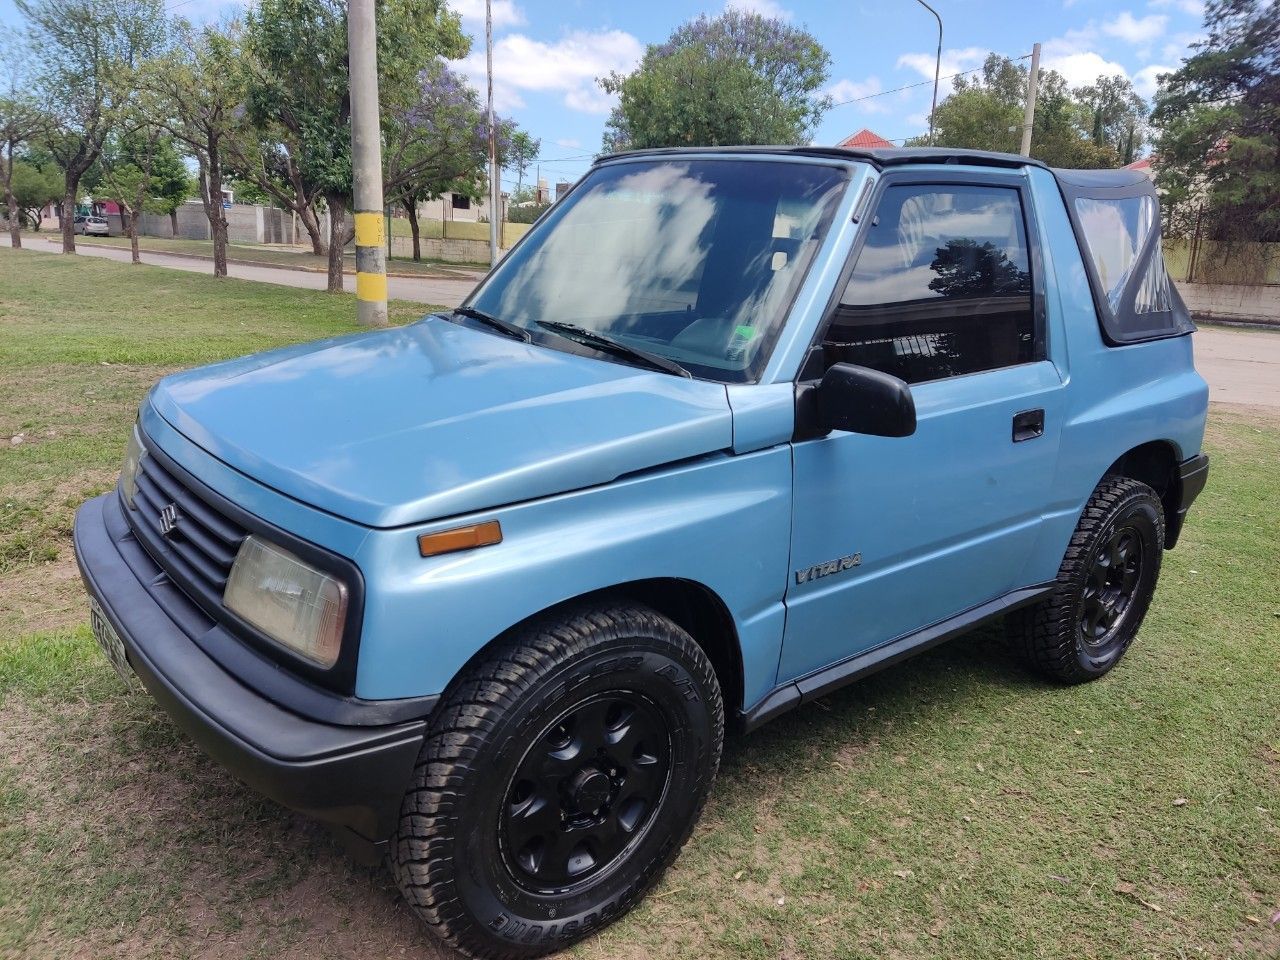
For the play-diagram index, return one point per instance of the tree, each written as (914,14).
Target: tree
(21,120)
(438,143)
(263,161)
(1118,116)
(34,188)
(138,174)
(986,113)
(298,82)
(197,86)
(90,50)
(736,78)
(1219,124)
(521,153)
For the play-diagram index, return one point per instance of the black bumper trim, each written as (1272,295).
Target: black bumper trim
(1193,474)
(347,776)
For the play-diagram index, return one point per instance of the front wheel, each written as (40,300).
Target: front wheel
(1104,587)
(561,774)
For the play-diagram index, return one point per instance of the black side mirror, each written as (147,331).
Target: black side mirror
(862,400)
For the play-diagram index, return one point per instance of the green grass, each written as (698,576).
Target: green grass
(283,256)
(950,807)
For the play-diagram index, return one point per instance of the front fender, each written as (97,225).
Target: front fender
(721,521)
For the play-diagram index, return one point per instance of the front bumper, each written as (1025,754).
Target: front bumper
(351,777)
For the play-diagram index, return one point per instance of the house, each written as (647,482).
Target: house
(866,139)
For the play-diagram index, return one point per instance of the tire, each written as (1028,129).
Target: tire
(1104,586)
(560,775)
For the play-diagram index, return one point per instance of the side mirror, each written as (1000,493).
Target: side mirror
(862,400)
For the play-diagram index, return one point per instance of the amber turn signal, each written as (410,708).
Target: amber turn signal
(460,538)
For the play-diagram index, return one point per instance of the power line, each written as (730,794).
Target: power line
(922,83)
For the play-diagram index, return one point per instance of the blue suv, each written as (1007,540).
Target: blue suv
(729,428)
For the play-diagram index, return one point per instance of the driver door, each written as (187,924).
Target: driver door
(943,292)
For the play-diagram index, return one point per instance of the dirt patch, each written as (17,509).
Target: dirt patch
(42,597)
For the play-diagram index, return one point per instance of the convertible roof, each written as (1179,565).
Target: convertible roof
(879,157)
(906,156)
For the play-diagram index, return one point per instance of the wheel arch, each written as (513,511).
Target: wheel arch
(695,607)
(1154,463)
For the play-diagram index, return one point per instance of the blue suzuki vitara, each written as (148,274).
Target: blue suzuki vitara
(729,428)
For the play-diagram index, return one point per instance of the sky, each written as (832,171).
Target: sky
(548,54)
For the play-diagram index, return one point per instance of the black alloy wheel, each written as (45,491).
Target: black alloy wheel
(586,790)
(1109,590)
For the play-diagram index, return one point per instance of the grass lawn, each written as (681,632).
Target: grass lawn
(950,807)
(284,256)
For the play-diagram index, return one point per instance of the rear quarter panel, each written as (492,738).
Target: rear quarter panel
(1117,398)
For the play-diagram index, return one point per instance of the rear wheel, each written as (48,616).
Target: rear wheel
(560,776)
(1104,586)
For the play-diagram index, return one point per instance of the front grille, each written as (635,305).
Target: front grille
(190,540)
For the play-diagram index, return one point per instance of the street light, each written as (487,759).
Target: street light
(937,68)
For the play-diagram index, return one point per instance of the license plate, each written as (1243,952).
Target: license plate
(110,642)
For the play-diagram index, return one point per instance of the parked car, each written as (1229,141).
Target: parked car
(728,429)
(92,226)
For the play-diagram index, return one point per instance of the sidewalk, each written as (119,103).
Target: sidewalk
(434,290)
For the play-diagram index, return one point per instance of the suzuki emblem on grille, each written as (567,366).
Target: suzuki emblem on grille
(169,519)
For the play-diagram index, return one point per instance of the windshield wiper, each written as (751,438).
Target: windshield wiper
(606,343)
(504,326)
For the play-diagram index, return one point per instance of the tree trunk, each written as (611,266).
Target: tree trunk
(173,223)
(311,223)
(11,205)
(411,206)
(337,239)
(211,195)
(134,254)
(68,220)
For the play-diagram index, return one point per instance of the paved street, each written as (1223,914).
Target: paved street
(448,293)
(1242,366)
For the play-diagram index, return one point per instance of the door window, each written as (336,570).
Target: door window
(941,288)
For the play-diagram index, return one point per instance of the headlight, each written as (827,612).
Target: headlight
(133,455)
(288,600)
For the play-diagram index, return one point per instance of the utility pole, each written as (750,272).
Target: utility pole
(1029,116)
(366,164)
(937,68)
(495,201)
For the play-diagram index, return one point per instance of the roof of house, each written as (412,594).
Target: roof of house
(866,140)
(1143,164)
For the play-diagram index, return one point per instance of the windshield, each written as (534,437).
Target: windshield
(693,260)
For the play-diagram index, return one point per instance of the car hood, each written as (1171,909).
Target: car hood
(432,420)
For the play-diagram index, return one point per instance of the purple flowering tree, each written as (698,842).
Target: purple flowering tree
(437,143)
(739,78)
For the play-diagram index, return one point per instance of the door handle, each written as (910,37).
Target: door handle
(1028,425)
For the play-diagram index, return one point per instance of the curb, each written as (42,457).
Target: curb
(240,262)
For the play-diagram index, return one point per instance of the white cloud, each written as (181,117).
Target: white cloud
(766,8)
(953,61)
(569,143)
(1074,55)
(505,12)
(1194,8)
(568,66)
(1082,69)
(1146,80)
(1135,30)
(844,91)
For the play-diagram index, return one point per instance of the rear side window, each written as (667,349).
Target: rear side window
(1116,232)
(941,288)
(1116,218)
